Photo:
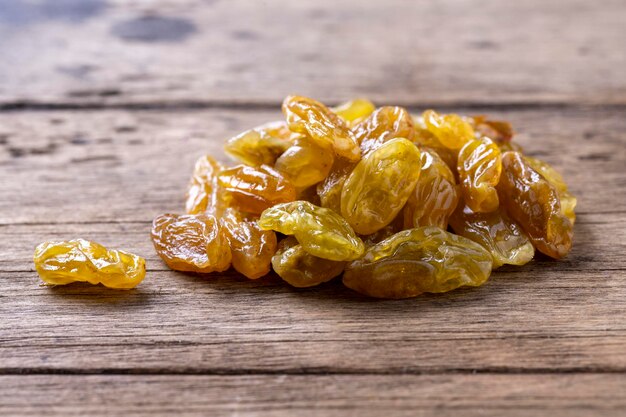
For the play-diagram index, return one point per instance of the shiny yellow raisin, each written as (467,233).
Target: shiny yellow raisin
(534,204)
(306,162)
(450,129)
(307,116)
(261,145)
(355,110)
(251,247)
(61,263)
(479,167)
(252,190)
(414,261)
(329,190)
(380,185)
(496,232)
(384,124)
(301,269)
(201,192)
(194,243)
(320,231)
(435,195)
(568,201)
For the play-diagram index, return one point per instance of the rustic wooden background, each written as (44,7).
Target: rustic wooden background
(104,106)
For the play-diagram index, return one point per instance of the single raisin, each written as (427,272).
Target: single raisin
(194,243)
(251,247)
(321,231)
(496,232)
(61,263)
(301,269)
(435,195)
(534,204)
(414,261)
(252,190)
(479,167)
(307,116)
(261,145)
(380,185)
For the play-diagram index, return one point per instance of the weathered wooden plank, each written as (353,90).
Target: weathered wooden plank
(362,395)
(600,243)
(173,322)
(130,166)
(193,51)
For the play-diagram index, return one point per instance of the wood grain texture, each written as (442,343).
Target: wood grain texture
(123,52)
(106,104)
(114,165)
(332,395)
(537,335)
(103,175)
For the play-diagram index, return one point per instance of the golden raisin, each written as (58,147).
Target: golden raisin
(568,201)
(383,125)
(534,204)
(321,231)
(254,189)
(194,243)
(355,110)
(435,195)
(301,269)
(251,247)
(450,129)
(425,259)
(307,116)
(496,232)
(479,167)
(306,162)
(261,145)
(61,263)
(329,190)
(380,185)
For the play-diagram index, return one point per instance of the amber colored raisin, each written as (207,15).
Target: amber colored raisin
(479,167)
(355,110)
(384,124)
(254,189)
(534,204)
(261,145)
(497,130)
(307,116)
(496,232)
(306,162)
(201,192)
(435,195)
(380,185)
(194,243)
(301,269)
(251,247)
(568,201)
(321,231)
(329,190)
(61,263)
(450,129)
(414,261)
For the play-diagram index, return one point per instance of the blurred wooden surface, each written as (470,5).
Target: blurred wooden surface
(106,104)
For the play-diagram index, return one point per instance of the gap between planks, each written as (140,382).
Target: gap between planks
(251,106)
(310,371)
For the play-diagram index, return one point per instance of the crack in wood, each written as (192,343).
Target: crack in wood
(177,105)
(310,371)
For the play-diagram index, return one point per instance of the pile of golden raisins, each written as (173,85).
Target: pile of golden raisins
(369,193)
(355,190)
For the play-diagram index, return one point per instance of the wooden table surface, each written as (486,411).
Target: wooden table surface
(105,105)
